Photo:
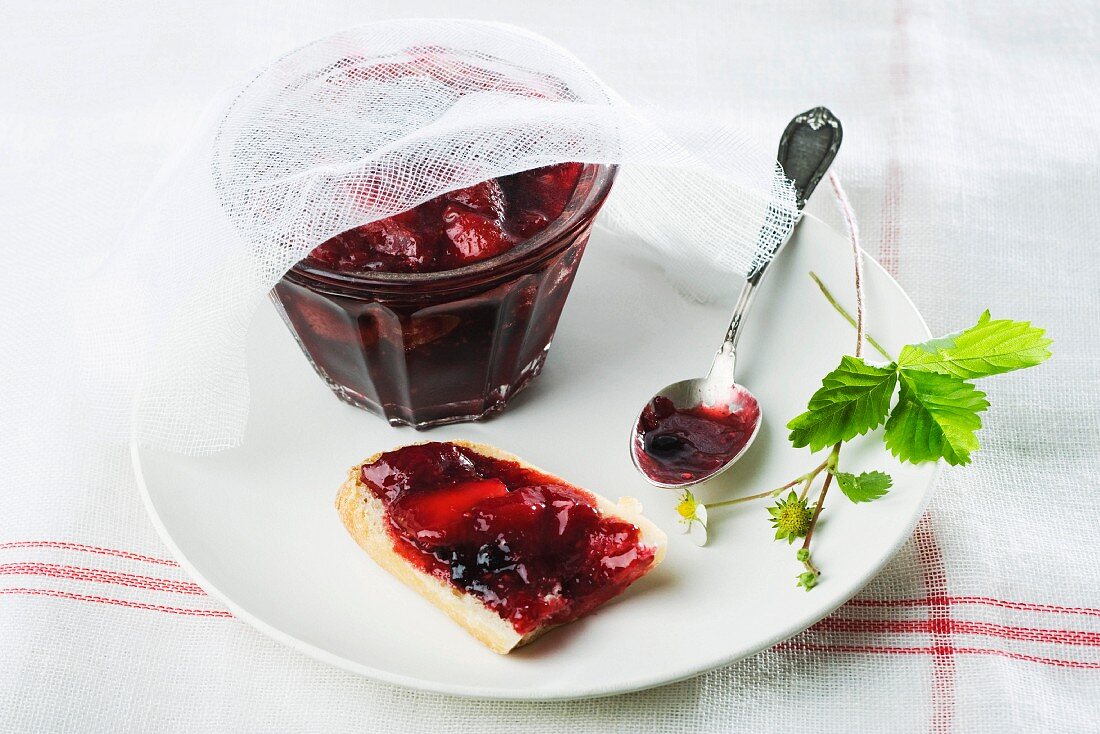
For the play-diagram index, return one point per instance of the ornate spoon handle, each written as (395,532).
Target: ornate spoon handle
(806,150)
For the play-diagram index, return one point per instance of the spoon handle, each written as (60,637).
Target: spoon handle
(806,150)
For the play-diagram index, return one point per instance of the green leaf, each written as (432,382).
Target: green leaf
(866,487)
(987,348)
(853,399)
(936,417)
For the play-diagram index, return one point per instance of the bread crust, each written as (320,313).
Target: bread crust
(364,516)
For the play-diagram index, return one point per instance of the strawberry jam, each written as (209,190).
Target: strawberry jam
(674,445)
(445,312)
(534,550)
(457,228)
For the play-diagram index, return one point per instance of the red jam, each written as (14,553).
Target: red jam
(674,445)
(430,348)
(536,551)
(457,228)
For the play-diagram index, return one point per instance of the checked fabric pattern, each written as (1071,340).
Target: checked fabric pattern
(971,158)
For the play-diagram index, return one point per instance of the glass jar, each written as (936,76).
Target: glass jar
(426,349)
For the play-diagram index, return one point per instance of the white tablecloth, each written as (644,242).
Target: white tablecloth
(972,158)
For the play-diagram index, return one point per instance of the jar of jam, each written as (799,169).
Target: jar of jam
(443,313)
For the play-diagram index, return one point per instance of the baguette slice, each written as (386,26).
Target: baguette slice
(364,516)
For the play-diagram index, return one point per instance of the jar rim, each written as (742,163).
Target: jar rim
(591,190)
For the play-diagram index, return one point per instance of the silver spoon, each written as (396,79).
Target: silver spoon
(806,150)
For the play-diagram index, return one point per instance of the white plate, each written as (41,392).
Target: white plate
(256,526)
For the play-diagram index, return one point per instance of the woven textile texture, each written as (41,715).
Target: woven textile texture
(972,157)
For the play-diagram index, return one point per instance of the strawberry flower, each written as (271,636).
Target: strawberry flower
(693,517)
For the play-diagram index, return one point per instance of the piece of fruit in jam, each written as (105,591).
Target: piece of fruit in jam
(457,228)
(676,444)
(534,550)
(437,518)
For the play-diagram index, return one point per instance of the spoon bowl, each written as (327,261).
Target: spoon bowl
(716,398)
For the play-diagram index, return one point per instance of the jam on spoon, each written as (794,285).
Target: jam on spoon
(683,444)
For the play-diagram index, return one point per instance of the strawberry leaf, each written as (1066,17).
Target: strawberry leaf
(853,399)
(866,487)
(987,348)
(936,417)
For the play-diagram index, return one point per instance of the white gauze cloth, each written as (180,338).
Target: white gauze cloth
(361,125)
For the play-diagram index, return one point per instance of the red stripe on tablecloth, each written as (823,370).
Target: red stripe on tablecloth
(79,573)
(118,602)
(928,552)
(939,622)
(1072,637)
(959,627)
(933,651)
(782,647)
(977,601)
(888,248)
(64,545)
(886,603)
(892,191)
(942,628)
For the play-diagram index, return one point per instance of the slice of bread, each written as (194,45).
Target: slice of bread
(364,517)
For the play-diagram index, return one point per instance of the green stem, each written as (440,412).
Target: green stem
(806,478)
(806,487)
(847,316)
(834,455)
(808,564)
(751,497)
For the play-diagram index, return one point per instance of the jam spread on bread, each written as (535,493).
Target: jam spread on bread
(673,444)
(457,228)
(536,551)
